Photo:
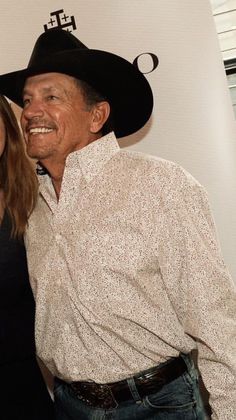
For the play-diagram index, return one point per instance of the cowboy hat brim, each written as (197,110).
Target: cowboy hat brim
(122,84)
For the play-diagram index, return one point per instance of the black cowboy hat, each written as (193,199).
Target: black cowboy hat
(122,84)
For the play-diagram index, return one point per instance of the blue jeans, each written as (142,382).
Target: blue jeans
(180,399)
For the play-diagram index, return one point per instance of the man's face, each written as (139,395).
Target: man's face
(55,119)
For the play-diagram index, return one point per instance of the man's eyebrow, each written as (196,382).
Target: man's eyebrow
(47,89)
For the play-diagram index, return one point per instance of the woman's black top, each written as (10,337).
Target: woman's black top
(24,394)
(16,300)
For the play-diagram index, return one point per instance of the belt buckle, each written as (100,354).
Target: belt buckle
(95,395)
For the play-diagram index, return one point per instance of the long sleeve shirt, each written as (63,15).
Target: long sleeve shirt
(127,272)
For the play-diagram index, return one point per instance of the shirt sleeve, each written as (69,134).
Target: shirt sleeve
(202,291)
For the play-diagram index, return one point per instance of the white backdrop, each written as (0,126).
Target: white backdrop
(193,122)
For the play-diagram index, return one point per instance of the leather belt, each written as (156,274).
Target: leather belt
(109,395)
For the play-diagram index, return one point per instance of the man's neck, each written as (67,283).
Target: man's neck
(55,170)
(56,181)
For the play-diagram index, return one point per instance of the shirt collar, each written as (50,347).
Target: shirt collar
(92,158)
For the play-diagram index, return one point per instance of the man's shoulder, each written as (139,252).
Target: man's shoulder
(139,160)
(157,167)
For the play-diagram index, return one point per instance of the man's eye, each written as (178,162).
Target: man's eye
(52,97)
(26,101)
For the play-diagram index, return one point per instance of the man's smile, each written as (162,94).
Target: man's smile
(40,130)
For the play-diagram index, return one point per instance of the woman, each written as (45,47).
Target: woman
(24,395)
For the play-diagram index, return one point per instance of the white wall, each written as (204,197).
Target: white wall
(193,122)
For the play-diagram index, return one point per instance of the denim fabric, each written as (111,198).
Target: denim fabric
(179,399)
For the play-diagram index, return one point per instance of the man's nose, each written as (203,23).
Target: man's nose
(33,109)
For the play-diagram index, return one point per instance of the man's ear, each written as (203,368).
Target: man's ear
(99,116)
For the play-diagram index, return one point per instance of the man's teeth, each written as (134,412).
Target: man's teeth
(40,130)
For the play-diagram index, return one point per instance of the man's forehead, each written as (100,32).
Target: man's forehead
(48,81)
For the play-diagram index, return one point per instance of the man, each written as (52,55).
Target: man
(122,251)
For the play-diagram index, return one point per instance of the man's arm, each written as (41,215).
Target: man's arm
(205,301)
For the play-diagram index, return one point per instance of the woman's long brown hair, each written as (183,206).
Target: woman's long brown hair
(17,176)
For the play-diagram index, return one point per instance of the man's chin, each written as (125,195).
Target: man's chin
(34,154)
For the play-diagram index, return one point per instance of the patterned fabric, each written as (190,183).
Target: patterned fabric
(126,271)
